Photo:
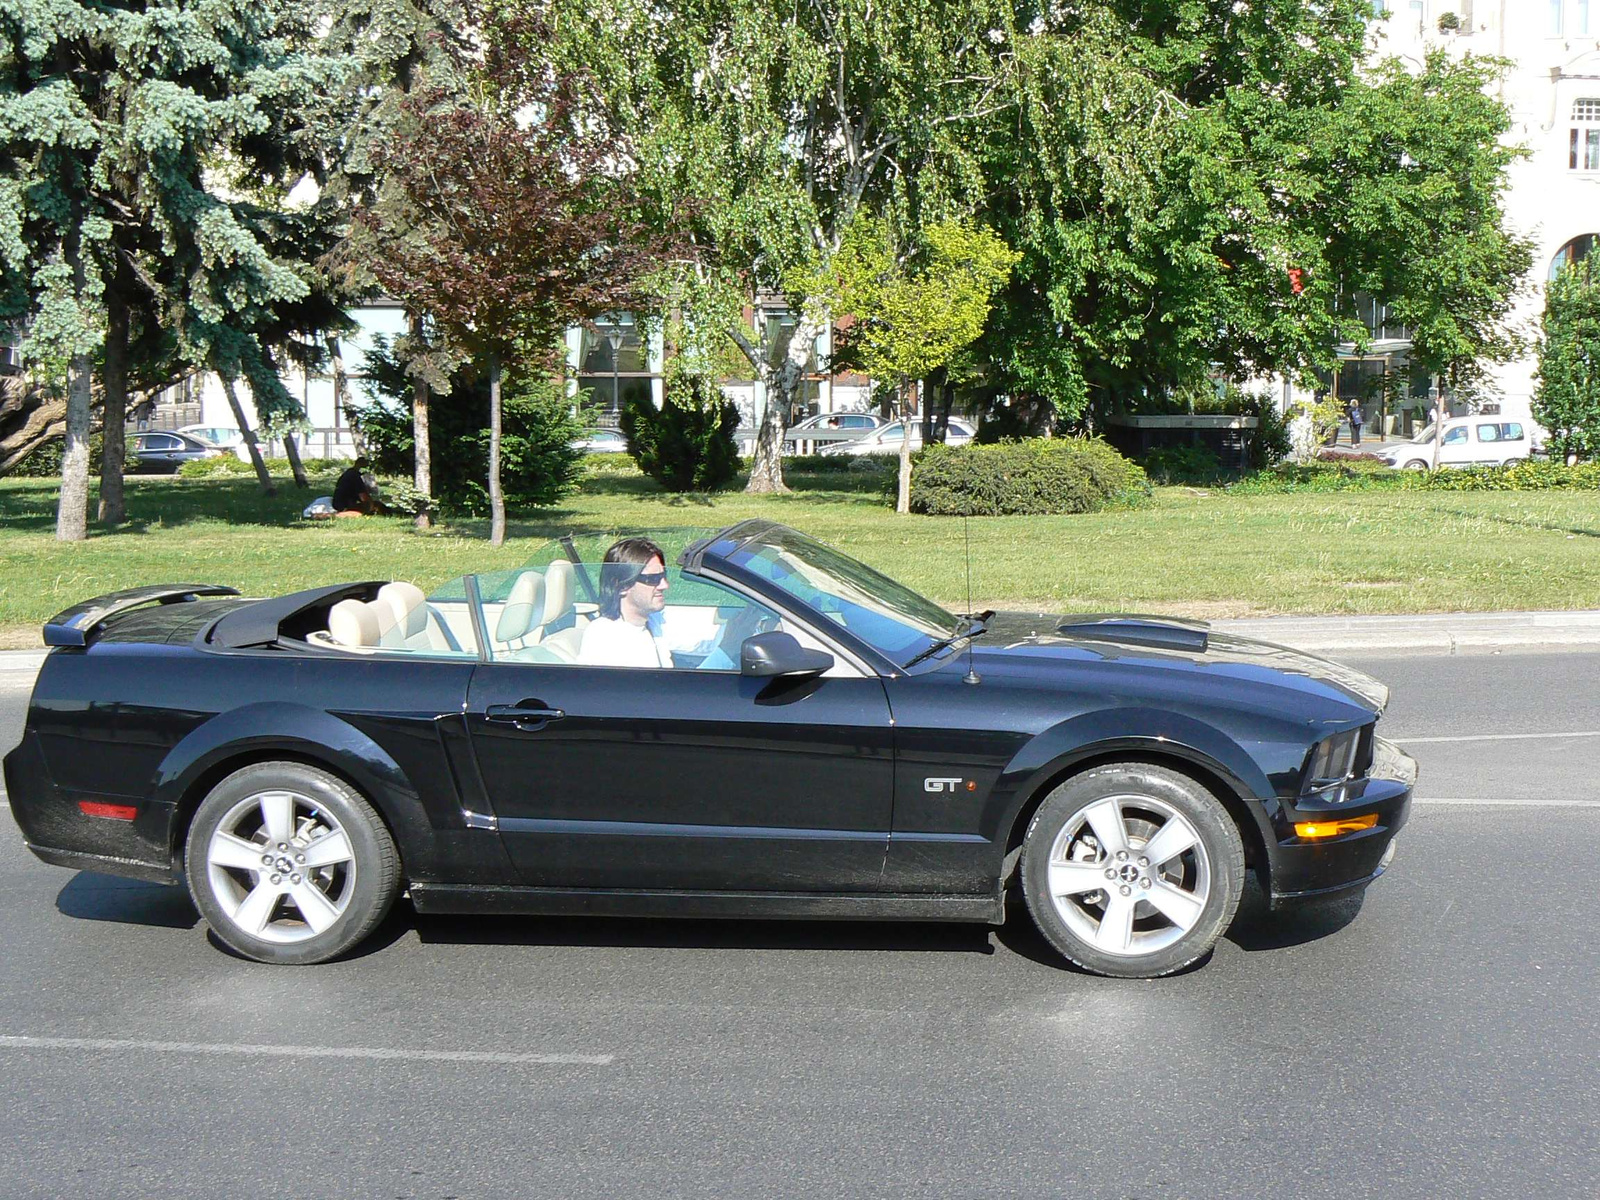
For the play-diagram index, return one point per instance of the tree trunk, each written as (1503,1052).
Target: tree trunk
(1438,420)
(947,401)
(422,452)
(292,453)
(249,437)
(902,502)
(113,441)
(497,501)
(766,472)
(341,393)
(72,513)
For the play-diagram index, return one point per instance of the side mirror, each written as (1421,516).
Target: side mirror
(767,655)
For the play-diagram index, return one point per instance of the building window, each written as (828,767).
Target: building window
(1583,140)
(1580,17)
(1553,24)
(1574,251)
(611,381)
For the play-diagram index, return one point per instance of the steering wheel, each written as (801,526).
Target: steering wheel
(744,622)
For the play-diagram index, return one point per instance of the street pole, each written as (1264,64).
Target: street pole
(614,336)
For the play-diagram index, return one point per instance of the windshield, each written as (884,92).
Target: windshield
(886,615)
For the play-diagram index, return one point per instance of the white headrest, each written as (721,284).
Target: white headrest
(558,581)
(408,604)
(522,607)
(352,623)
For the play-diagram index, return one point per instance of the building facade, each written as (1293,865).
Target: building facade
(1553,93)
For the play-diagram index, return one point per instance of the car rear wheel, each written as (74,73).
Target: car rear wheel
(289,864)
(1132,870)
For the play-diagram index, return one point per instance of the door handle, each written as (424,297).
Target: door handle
(529,719)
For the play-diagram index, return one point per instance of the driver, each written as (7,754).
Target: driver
(633,591)
(630,629)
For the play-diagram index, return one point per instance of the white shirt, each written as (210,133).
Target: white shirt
(613,642)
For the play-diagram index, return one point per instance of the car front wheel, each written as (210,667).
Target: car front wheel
(1132,870)
(1416,464)
(289,864)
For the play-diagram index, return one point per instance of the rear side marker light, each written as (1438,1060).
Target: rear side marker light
(117,812)
(1327,829)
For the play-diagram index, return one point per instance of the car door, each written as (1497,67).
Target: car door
(682,778)
(1455,449)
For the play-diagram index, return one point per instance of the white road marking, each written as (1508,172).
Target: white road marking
(1509,802)
(247,1050)
(1496,737)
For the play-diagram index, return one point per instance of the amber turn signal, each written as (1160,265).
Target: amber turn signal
(1327,829)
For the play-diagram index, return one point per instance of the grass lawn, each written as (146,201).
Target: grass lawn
(1197,552)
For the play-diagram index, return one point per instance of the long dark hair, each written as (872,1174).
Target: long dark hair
(621,567)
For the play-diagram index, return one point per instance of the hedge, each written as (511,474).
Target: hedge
(1028,478)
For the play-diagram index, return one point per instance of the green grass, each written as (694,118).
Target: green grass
(1199,552)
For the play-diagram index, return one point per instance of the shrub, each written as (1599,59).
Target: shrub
(1182,464)
(538,465)
(687,444)
(1034,477)
(1342,475)
(232,464)
(44,461)
(1531,475)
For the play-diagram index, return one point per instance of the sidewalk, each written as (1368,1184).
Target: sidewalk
(1426,633)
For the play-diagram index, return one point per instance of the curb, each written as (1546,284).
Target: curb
(1427,633)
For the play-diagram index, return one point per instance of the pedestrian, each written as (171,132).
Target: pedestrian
(352,494)
(1355,422)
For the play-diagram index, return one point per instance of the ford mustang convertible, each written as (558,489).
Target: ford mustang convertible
(803,737)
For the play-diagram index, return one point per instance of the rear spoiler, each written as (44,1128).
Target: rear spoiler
(78,624)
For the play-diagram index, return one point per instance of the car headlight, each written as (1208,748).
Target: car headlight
(1333,760)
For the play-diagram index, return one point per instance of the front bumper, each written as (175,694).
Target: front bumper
(1300,869)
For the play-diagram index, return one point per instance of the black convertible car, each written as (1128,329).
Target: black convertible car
(803,737)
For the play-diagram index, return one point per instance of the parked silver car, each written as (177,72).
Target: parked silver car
(887,439)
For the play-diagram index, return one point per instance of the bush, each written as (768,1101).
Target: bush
(1528,476)
(44,461)
(687,444)
(1340,475)
(1182,464)
(1034,477)
(538,465)
(232,464)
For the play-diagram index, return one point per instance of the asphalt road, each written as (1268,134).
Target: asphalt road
(1439,1039)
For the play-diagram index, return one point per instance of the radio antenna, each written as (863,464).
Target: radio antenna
(972,675)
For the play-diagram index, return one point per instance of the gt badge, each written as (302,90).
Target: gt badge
(947,785)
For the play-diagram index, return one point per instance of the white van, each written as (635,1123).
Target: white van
(1468,442)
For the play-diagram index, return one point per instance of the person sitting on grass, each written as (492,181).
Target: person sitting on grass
(352,495)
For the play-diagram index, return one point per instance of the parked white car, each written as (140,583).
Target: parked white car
(601,441)
(887,439)
(1468,442)
(218,435)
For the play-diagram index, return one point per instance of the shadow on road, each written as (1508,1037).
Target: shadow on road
(1257,927)
(92,897)
(697,934)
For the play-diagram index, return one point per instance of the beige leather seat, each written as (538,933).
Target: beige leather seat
(415,626)
(560,584)
(523,612)
(353,623)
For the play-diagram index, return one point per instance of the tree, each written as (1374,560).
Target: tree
(144,177)
(395,46)
(1566,399)
(1203,186)
(509,223)
(781,123)
(913,312)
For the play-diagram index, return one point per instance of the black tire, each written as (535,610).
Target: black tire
(1416,464)
(302,896)
(1114,929)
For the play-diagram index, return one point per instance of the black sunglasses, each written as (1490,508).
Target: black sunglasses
(650,578)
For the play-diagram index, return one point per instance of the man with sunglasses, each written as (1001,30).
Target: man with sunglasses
(631,629)
(633,591)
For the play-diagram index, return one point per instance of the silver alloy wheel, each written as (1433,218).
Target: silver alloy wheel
(1129,874)
(281,867)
